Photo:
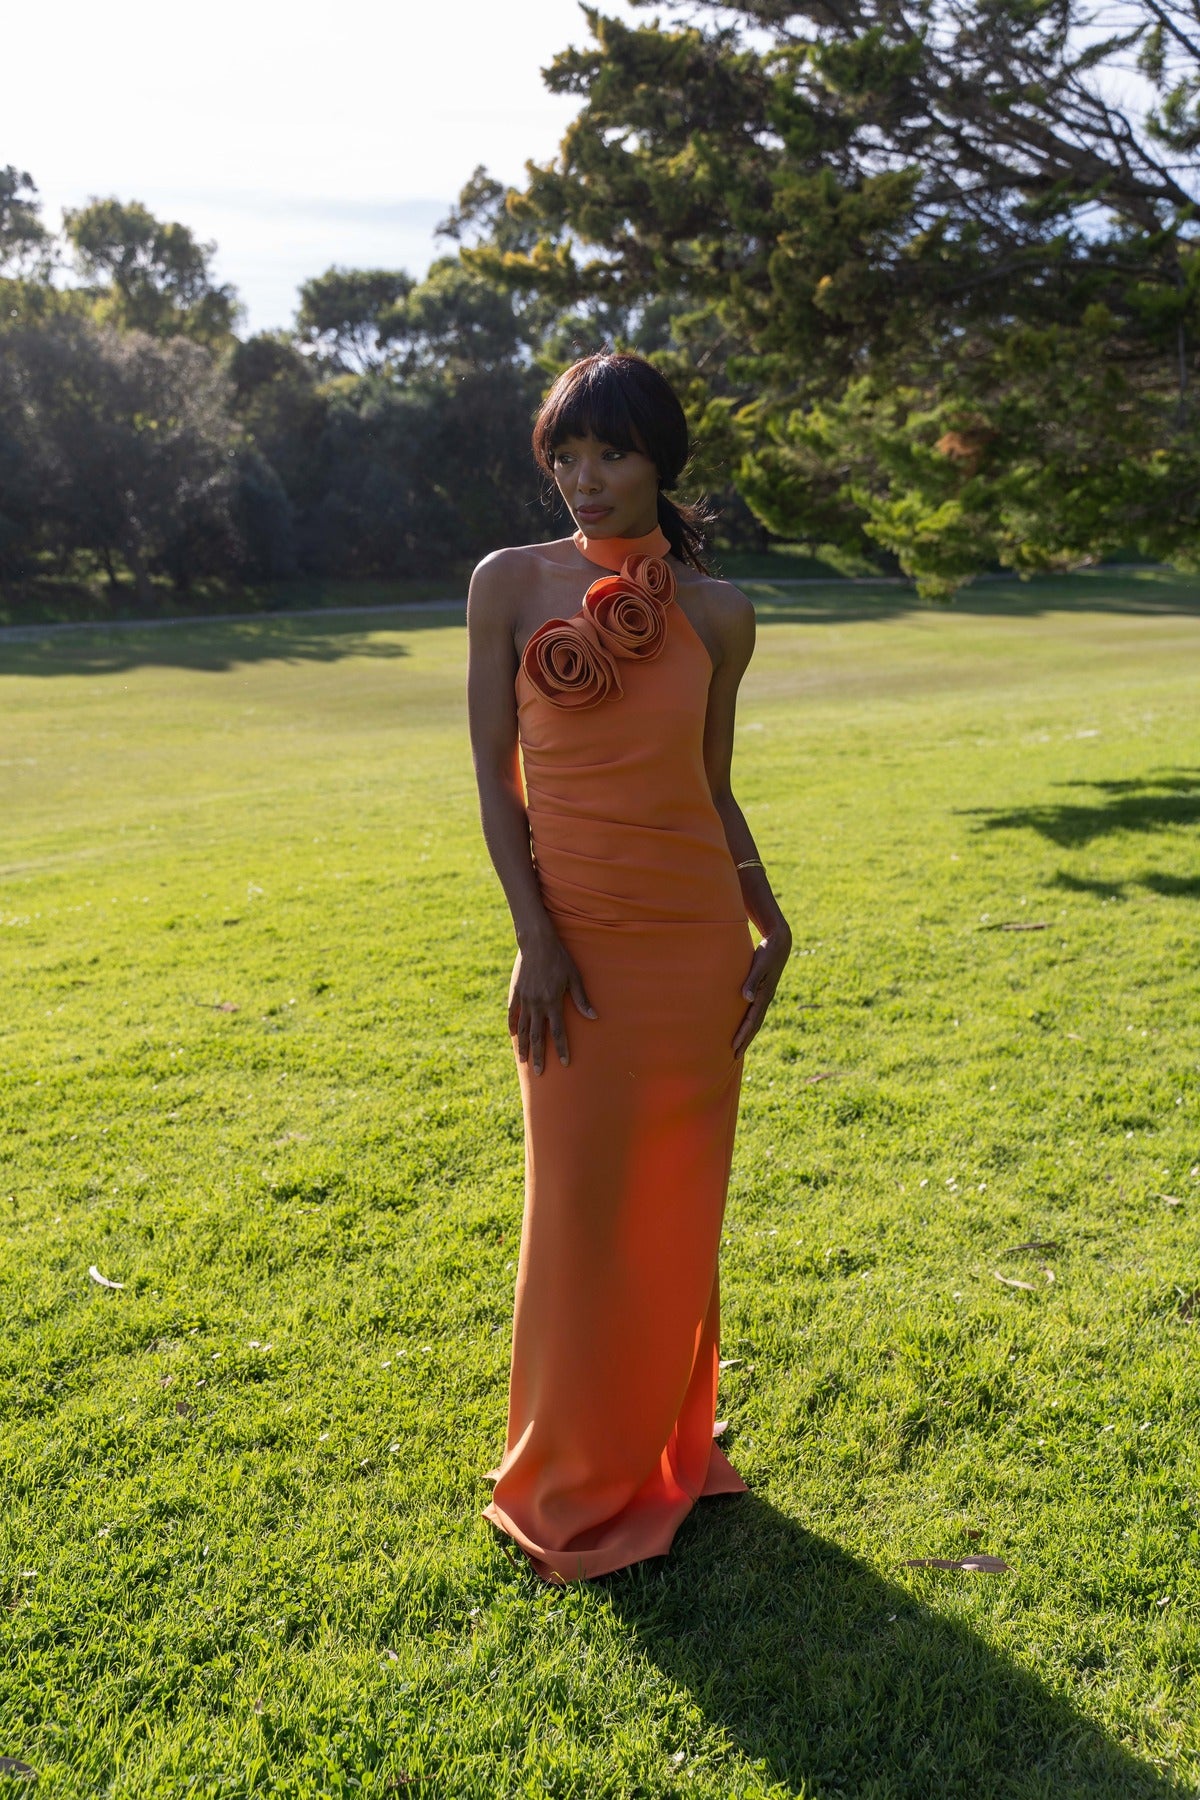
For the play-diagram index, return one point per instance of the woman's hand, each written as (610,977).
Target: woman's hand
(760,984)
(544,974)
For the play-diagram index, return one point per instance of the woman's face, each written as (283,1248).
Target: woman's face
(610,492)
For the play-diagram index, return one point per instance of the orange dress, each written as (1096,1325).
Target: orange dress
(613,1387)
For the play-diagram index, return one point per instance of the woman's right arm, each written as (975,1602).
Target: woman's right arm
(544,973)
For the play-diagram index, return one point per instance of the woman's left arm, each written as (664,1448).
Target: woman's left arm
(733,621)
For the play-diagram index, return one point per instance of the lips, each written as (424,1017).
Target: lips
(592,513)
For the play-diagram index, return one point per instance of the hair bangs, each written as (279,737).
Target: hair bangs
(595,403)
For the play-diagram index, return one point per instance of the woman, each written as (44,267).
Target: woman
(603,672)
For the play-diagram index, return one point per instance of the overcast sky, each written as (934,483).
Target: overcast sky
(296,137)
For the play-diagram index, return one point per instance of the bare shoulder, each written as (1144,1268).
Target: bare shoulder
(729,600)
(720,597)
(726,611)
(503,576)
(497,584)
(501,570)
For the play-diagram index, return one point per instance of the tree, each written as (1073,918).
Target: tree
(131,443)
(348,315)
(26,247)
(281,405)
(456,320)
(152,276)
(881,225)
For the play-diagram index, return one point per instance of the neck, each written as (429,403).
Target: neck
(611,552)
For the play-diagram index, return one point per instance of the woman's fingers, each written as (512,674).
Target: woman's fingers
(747,1031)
(758,966)
(759,988)
(558,1031)
(579,996)
(531,1035)
(537,1040)
(751,1020)
(530,1019)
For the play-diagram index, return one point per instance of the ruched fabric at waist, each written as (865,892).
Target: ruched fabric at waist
(622,873)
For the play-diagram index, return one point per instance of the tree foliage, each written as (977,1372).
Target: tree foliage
(893,228)
(122,446)
(346,314)
(149,275)
(26,246)
(926,273)
(386,435)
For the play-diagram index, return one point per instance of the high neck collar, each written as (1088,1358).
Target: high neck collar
(610,552)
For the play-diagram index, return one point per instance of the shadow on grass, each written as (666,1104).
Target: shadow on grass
(1154,802)
(839,1682)
(337,629)
(214,645)
(1170,887)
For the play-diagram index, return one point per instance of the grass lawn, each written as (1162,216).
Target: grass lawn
(254,1067)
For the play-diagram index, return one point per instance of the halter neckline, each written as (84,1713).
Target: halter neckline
(611,552)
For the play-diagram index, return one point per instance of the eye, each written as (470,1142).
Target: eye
(618,454)
(562,456)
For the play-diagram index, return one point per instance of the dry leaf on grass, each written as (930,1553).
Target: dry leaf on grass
(720,1428)
(1033,1244)
(1021,925)
(730,1362)
(102,1280)
(1171,1199)
(1011,1281)
(826,1075)
(10,1766)
(971,1565)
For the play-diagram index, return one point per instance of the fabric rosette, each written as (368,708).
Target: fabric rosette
(568,664)
(629,609)
(654,575)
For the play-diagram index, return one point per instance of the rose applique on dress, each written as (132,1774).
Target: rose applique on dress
(630,609)
(573,662)
(567,663)
(653,575)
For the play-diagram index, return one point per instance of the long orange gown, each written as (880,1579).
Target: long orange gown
(628,1149)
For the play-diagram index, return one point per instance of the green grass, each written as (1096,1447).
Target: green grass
(240,1543)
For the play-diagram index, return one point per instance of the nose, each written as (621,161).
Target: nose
(590,481)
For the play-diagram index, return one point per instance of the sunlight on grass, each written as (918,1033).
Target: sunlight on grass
(255,1069)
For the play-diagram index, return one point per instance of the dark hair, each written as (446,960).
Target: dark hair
(625,402)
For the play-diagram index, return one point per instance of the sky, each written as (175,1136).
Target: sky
(296,138)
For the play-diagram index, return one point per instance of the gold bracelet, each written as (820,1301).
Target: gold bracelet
(751,862)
